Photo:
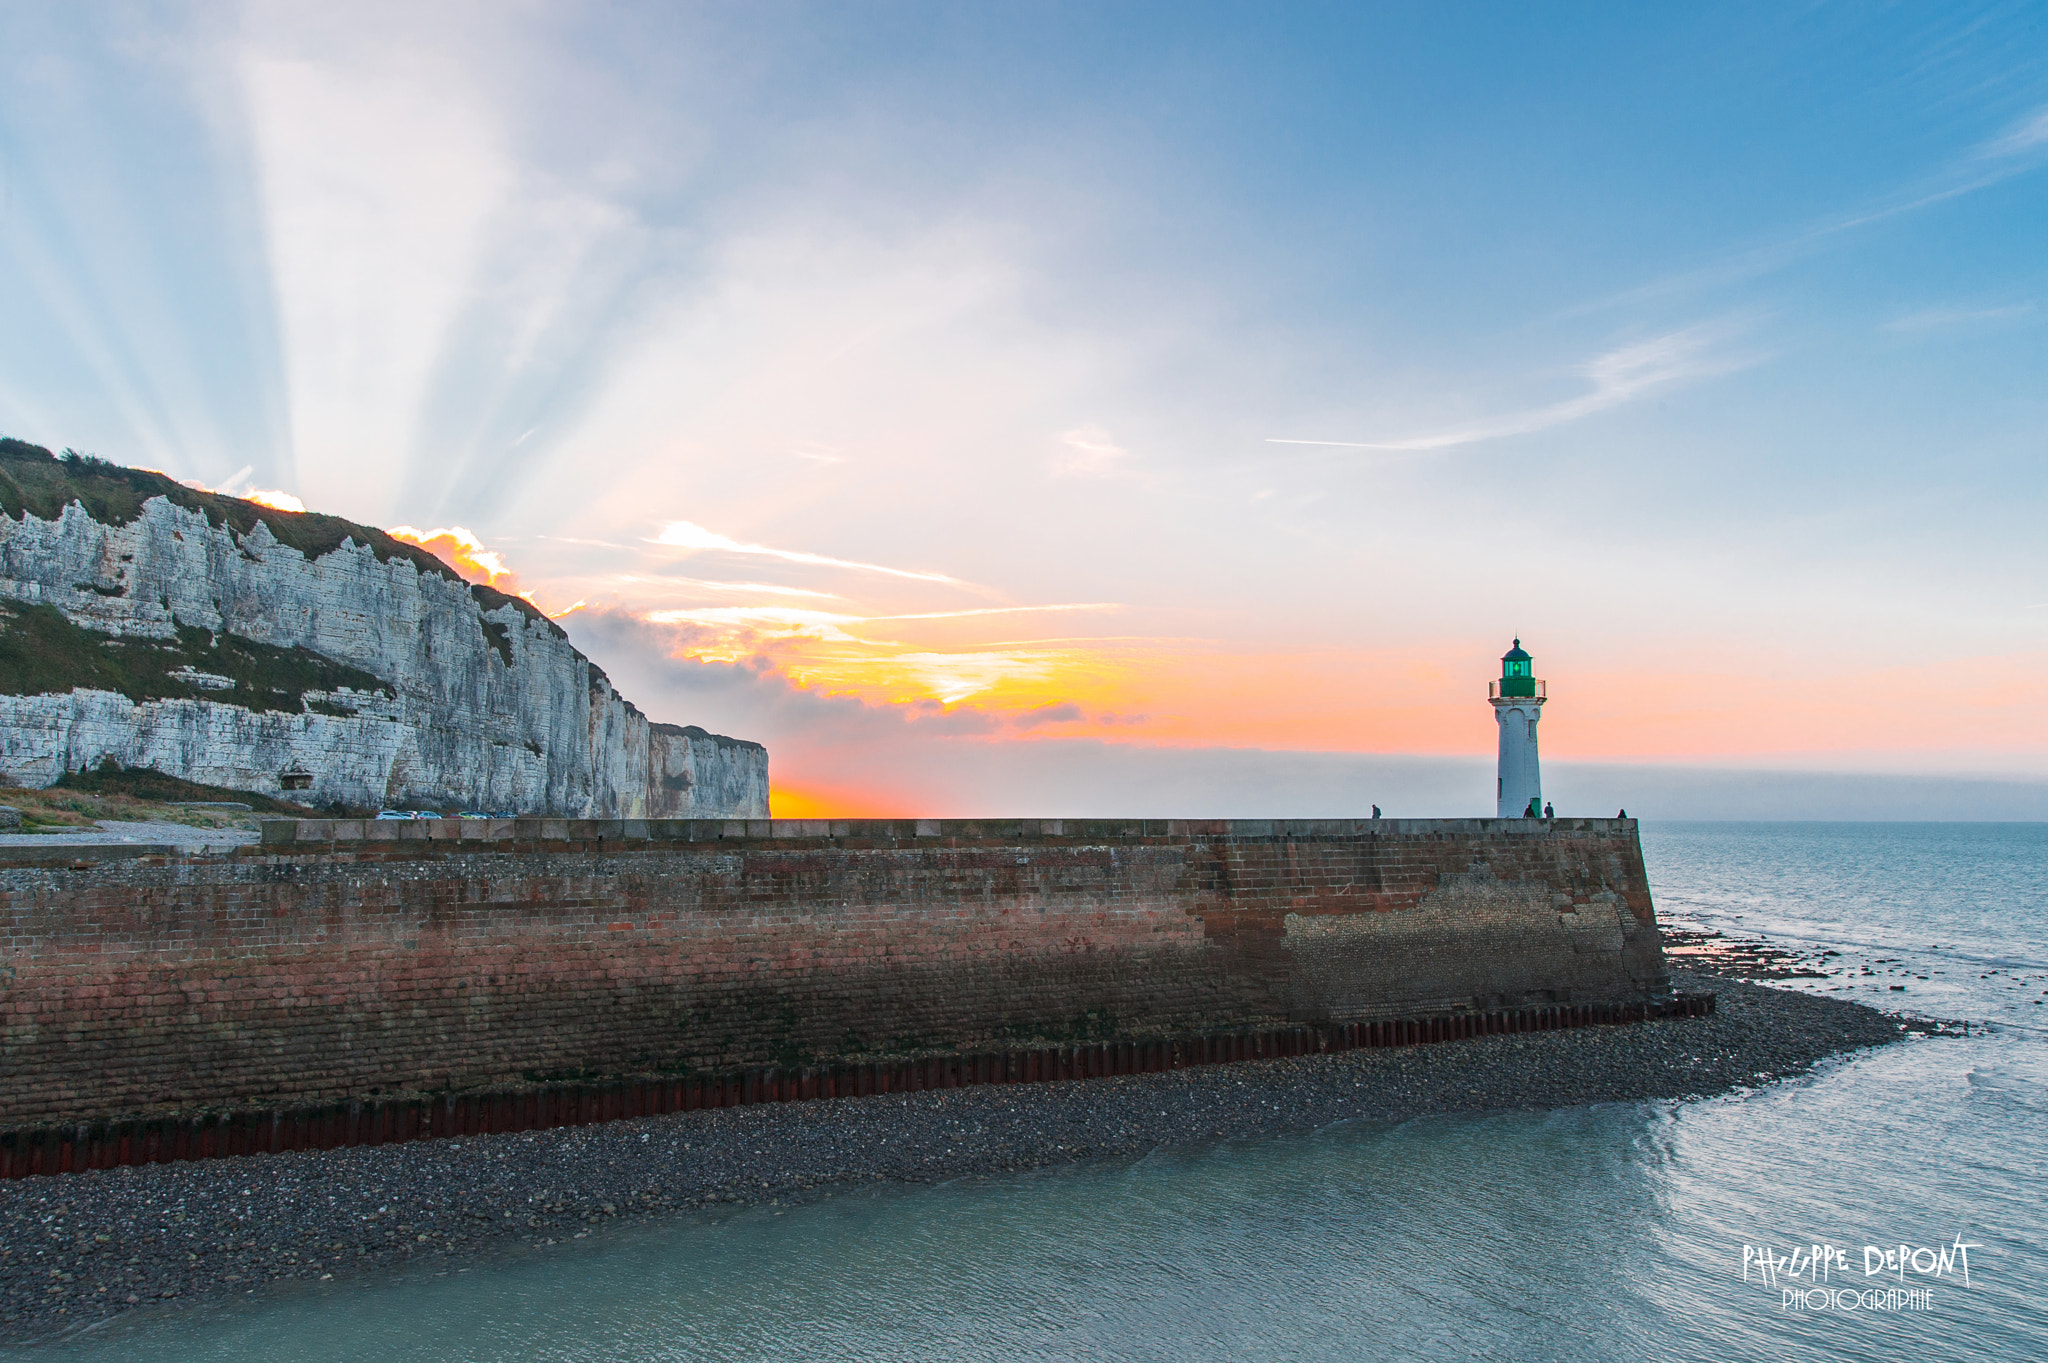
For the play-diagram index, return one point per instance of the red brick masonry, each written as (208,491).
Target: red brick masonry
(345,960)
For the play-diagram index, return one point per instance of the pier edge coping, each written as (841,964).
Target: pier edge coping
(279,835)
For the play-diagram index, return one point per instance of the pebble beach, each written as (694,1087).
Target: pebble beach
(79,1249)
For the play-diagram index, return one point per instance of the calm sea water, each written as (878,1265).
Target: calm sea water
(1612,1232)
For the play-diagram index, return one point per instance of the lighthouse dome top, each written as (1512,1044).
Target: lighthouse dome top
(1517,674)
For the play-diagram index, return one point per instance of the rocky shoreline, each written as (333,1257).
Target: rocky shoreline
(78,1249)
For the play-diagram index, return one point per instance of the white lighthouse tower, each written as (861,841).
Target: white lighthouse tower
(1517,704)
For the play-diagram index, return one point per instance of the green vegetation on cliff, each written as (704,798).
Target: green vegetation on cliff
(35,482)
(43,652)
(111,781)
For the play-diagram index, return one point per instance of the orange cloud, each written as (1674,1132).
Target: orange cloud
(908,641)
(836,653)
(270,497)
(460,550)
(1188,693)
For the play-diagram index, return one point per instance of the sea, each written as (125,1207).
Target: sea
(1888,1206)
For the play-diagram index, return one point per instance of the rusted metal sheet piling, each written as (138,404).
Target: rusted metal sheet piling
(73,1148)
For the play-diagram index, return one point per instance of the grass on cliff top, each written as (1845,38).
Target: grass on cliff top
(43,652)
(35,482)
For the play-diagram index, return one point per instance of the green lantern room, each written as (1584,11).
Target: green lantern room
(1517,673)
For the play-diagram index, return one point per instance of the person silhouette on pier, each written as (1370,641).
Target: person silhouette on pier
(1548,811)
(1375,811)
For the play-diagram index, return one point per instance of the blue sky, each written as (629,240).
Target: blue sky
(1704,348)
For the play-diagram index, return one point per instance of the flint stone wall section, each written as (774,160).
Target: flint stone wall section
(542,733)
(340,959)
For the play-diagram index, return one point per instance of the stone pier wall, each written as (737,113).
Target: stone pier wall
(349,959)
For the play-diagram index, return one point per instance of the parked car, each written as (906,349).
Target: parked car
(426,814)
(394,814)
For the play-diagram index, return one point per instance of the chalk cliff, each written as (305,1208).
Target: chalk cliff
(236,645)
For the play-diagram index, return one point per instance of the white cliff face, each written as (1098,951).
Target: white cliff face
(490,707)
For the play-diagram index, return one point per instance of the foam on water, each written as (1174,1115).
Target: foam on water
(1611,1232)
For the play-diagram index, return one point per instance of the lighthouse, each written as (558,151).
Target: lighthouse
(1517,700)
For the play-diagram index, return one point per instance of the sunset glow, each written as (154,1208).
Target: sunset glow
(280,501)
(1033,417)
(840,802)
(1179,692)
(460,550)
(1254,681)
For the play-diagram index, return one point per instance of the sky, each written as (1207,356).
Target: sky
(1118,408)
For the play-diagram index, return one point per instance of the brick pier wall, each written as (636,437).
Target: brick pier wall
(345,959)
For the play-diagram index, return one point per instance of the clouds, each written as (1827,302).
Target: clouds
(1942,319)
(853,654)
(1088,452)
(1619,376)
(837,755)
(661,664)
(461,550)
(2024,138)
(683,535)
(379,167)
(445,279)
(131,259)
(955,379)
(842,755)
